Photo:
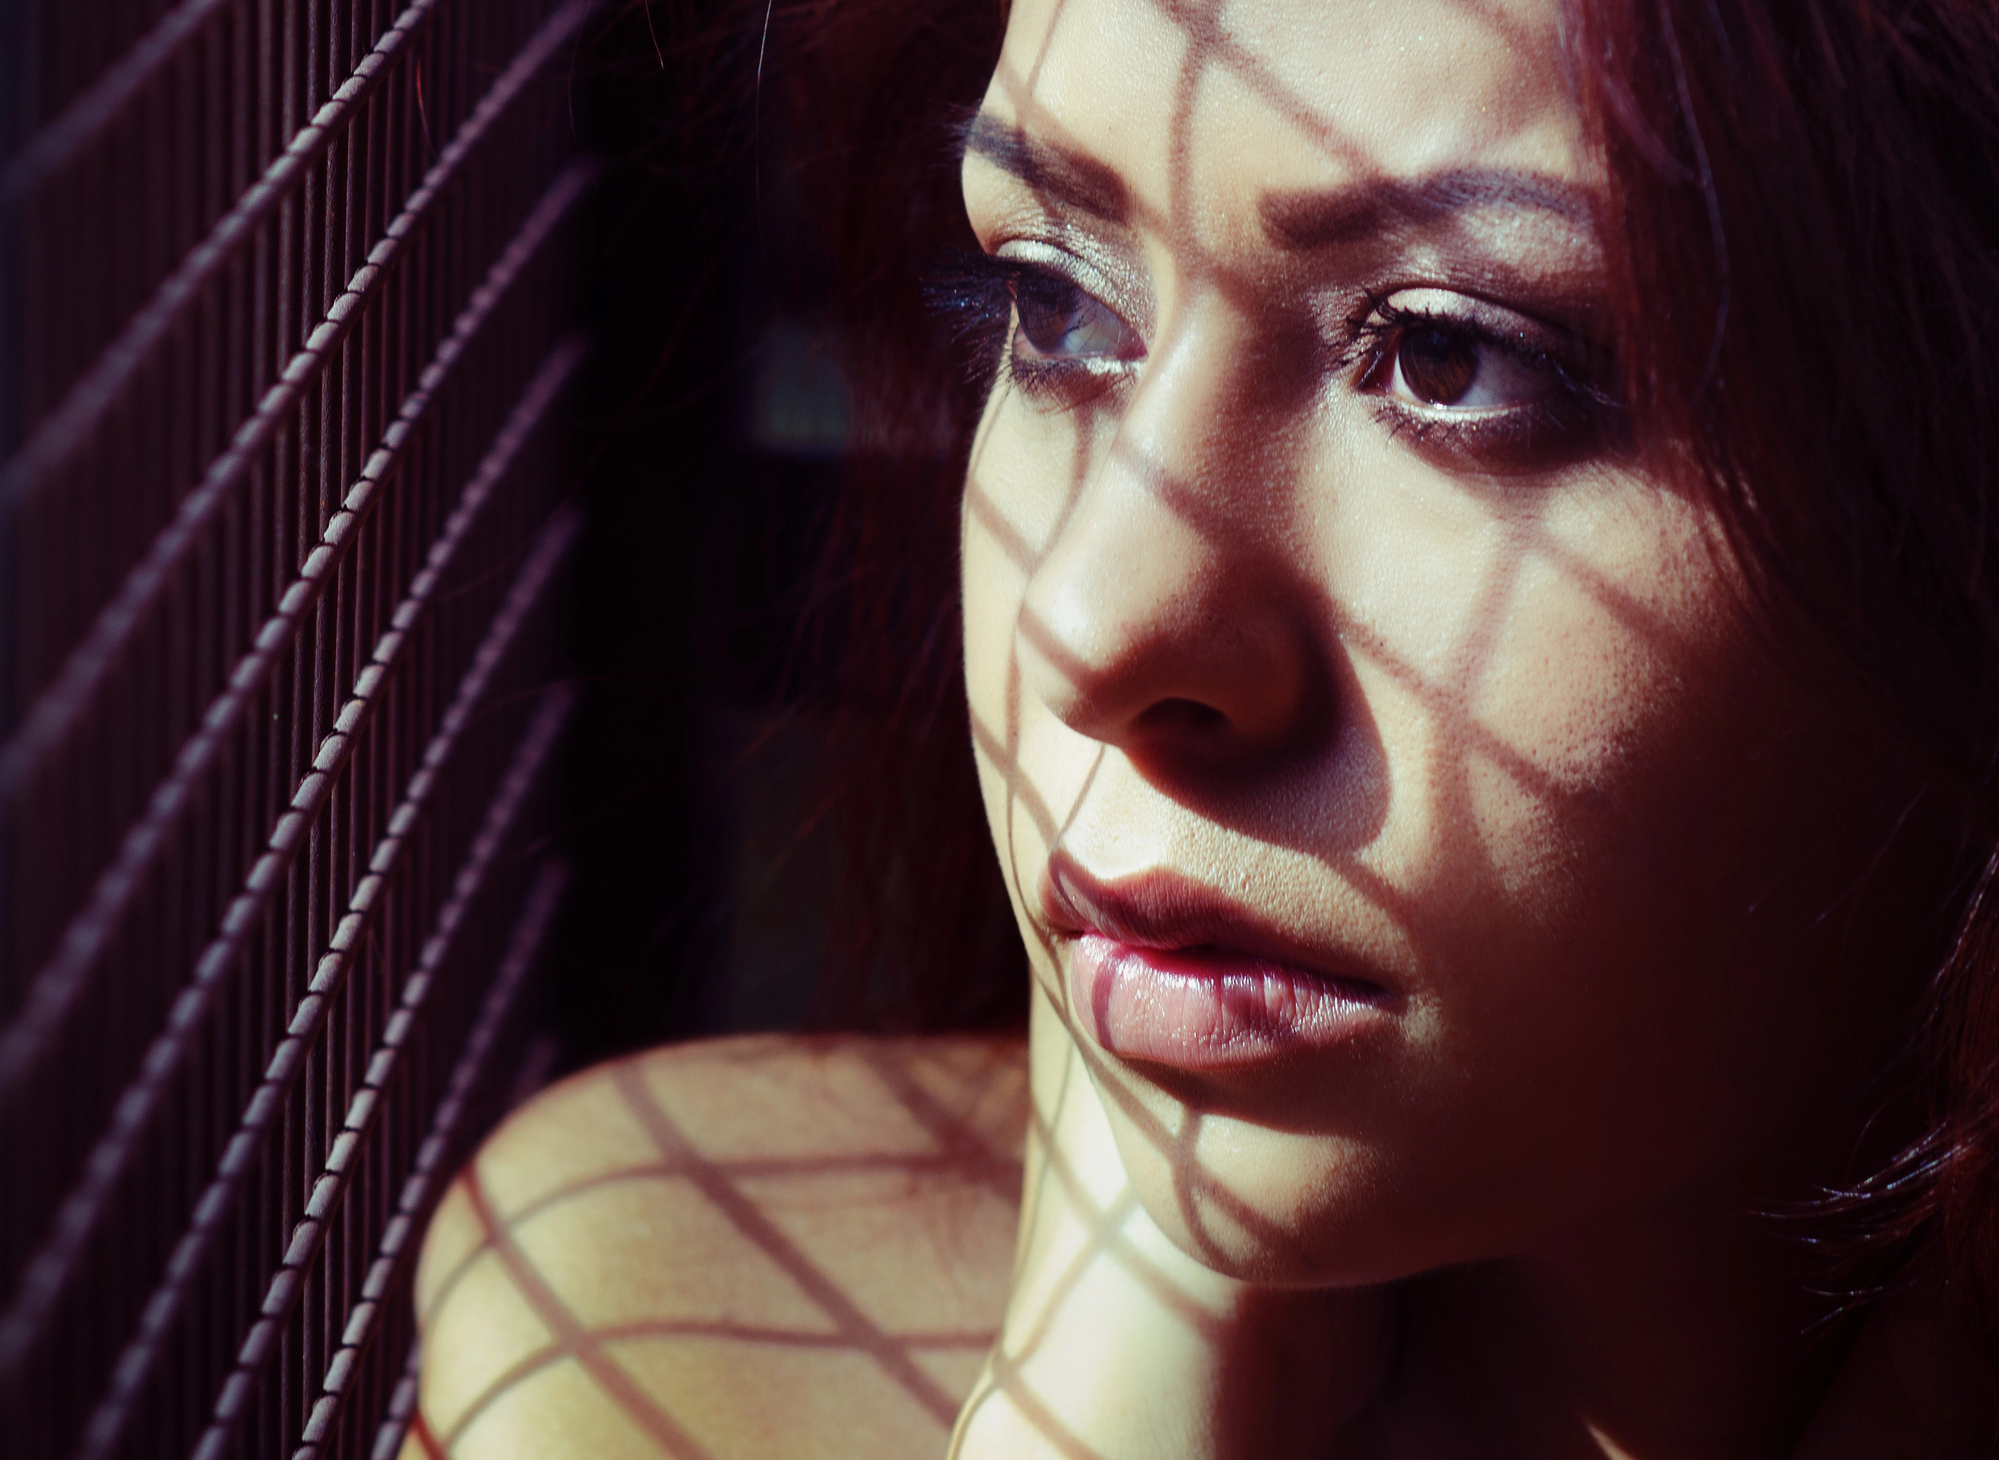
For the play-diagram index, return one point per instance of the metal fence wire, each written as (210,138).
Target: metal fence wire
(286,312)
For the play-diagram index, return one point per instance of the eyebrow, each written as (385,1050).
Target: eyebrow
(1377,206)
(1057,172)
(1299,221)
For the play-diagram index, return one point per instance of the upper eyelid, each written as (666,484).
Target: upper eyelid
(1071,260)
(1484,334)
(1488,318)
(1062,276)
(1579,362)
(1066,271)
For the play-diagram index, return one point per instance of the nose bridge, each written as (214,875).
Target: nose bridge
(1127,569)
(1160,617)
(1195,396)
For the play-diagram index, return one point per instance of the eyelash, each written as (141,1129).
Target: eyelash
(1575,414)
(975,293)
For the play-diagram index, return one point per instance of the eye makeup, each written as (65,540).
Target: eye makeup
(1479,383)
(1031,325)
(1470,383)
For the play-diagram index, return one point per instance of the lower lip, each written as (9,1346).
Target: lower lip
(1208,1008)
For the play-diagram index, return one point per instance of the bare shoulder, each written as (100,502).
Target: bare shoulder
(741,1247)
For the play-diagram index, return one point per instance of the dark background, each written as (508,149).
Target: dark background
(708,454)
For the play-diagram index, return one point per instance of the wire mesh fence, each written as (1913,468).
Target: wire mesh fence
(288,328)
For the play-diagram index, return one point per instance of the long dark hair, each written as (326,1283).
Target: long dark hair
(1803,222)
(1802,226)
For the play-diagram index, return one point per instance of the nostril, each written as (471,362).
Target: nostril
(1190,716)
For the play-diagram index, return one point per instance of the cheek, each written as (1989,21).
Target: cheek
(1636,827)
(994,584)
(1578,745)
(1016,494)
(1591,786)
(1550,672)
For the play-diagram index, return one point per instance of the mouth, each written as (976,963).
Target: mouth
(1164,970)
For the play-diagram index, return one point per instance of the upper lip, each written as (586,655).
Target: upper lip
(1165,910)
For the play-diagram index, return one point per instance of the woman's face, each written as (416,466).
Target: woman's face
(1419,847)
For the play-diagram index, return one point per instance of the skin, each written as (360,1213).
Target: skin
(1482,720)
(1486,725)
(739,1248)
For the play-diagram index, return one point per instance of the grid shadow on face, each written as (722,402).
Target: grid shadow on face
(1446,690)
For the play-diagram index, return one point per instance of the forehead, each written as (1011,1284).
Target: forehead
(1204,111)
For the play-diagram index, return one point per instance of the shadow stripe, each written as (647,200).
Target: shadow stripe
(961,1144)
(762,1168)
(753,1224)
(572,1338)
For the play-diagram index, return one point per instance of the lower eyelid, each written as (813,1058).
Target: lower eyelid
(1527,440)
(1480,440)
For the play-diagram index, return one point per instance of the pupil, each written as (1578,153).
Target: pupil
(1437,365)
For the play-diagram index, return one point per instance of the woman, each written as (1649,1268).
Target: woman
(1482,680)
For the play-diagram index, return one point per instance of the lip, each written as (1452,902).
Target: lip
(1164,970)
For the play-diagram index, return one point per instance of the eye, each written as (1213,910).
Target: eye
(1449,366)
(1481,387)
(1060,322)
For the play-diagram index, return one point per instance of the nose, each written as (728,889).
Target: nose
(1172,617)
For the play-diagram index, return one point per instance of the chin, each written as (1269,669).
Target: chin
(1281,1208)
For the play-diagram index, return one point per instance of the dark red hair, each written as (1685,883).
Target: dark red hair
(1802,224)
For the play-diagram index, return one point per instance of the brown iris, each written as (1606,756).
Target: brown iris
(1438,366)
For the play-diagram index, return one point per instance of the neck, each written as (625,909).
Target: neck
(1666,1337)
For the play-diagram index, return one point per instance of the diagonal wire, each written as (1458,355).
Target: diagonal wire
(80,415)
(402,1421)
(57,709)
(343,1159)
(448,1127)
(287,1062)
(339,1174)
(56,145)
(57,987)
(56,1264)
